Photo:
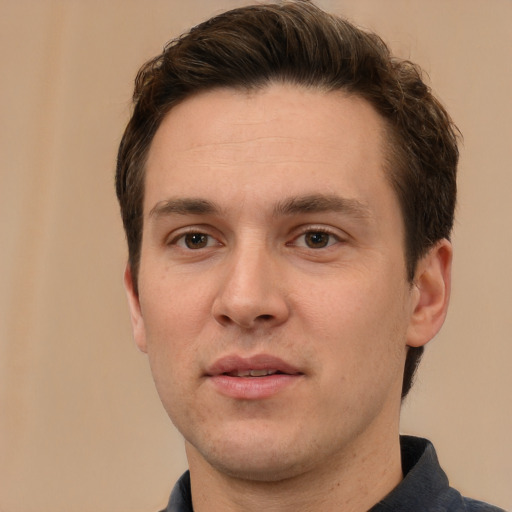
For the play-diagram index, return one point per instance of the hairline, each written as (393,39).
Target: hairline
(392,155)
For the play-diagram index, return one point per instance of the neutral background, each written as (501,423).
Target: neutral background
(81,427)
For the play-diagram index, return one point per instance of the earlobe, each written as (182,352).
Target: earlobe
(139,331)
(431,294)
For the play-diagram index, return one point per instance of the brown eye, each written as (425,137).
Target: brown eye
(196,240)
(317,239)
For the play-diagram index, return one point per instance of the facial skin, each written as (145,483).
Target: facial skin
(273,240)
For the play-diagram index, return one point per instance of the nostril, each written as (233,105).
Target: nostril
(250,310)
(224,319)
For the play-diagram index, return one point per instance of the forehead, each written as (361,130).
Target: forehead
(279,141)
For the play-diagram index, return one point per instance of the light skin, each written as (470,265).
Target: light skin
(273,242)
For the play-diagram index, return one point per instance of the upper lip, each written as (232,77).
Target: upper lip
(236,363)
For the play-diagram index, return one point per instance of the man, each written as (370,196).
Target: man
(287,190)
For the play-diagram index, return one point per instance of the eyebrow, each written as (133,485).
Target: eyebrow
(185,206)
(314,203)
(322,203)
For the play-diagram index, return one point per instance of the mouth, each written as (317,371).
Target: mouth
(261,365)
(252,373)
(252,378)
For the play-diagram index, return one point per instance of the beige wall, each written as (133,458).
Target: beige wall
(81,428)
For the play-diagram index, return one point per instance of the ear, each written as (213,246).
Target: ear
(431,294)
(139,331)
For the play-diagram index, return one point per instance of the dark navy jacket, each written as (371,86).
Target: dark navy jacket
(425,487)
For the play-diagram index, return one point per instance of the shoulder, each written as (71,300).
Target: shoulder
(479,506)
(425,485)
(181,497)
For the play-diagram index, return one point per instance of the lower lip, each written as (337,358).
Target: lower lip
(253,388)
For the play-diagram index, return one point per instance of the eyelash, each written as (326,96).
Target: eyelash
(183,236)
(333,238)
(181,239)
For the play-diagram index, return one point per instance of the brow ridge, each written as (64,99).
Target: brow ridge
(311,203)
(321,203)
(183,206)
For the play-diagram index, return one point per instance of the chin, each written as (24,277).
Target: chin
(268,469)
(258,460)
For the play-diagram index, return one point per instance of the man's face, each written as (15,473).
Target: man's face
(273,300)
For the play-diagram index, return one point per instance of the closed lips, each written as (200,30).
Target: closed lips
(261,365)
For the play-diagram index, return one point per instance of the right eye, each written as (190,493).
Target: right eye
(195,240)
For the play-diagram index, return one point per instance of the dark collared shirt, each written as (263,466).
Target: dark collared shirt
(425,487)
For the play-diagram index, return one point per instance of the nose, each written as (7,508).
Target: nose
(252,292)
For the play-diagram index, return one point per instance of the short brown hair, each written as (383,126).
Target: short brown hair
(298,43)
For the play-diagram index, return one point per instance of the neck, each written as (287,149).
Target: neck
(352,482)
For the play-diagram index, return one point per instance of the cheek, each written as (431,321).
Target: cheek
(173,308)
(358,324)
(175,315)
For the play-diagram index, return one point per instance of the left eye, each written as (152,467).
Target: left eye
(195,241)
(315,240)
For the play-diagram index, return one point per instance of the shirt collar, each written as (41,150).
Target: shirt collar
(425,485)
